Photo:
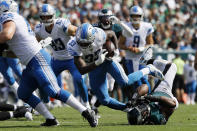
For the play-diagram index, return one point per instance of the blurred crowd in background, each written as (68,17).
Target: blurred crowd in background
(175,21)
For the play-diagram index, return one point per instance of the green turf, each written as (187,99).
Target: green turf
(184,119)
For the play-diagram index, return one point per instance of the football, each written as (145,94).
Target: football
(110,48)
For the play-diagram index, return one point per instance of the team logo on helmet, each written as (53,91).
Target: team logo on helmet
(136,14)
(47,14)
(8,6)
(85,35)
(103,17)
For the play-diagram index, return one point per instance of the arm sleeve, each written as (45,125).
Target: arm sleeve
(150,29)
(73,48)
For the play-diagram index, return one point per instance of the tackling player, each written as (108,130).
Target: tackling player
(90,57)
(38,73)
(159,105)
(60,30)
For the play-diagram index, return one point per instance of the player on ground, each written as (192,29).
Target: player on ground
(134,45)
(159,105)
(89,57)
(60,30)
(12,111)
(20,38)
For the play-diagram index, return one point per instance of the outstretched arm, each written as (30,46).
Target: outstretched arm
(163,100)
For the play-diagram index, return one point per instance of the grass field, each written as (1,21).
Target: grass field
(184,119)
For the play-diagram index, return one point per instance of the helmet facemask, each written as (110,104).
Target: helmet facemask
(47,20)
(85,36)
(105,22)
(136,19)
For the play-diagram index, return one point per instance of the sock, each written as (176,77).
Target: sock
(74,103)
(15,85)
(87,105)
(145,71)
(11,114)
(41,108)
(5,115)
(7,107)
(193,95)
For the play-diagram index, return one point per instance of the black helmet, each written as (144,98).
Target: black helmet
(103,17)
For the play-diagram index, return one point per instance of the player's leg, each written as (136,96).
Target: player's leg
(98,76)
(15,65)
(77,78)
(46,78)
(7,73)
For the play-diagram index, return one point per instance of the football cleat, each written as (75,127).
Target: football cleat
(91,117)
(147,55)
(155,72)
(50,122)
(28,116)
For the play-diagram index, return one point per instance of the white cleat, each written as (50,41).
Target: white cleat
(28,116)
(155,72)
(147,55)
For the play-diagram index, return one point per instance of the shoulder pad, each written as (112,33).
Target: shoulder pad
(6,16)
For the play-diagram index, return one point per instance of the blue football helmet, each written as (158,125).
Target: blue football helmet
(8,6)
(136,11)
(85,35)
(47,14)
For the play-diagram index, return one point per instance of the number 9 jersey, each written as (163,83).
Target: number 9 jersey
(90,54)
(59,36)
(138,39)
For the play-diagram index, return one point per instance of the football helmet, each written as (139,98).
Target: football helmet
(139,114)
(8,6)
(104,18)
(47,14)
(136,14)
(85,35)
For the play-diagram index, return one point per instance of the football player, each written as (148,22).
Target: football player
(60,30)
(190,80)
(90,57)
(158,106)
(8,65)
(9,111)
(38,73)
(134,45)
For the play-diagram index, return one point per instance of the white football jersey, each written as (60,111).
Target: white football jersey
(189,73)
(138,39)
(24,43)
(59,36)
(166,84)
(90,55)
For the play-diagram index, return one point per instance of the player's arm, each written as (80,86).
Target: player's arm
(163,100)
(71,30)
(81,65)
(8,31)
(149,39)
(122,45)
(84,68)
(111,36)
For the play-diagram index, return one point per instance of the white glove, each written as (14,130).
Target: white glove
(116,53)
(46,42)
(101,58)
(114,20)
